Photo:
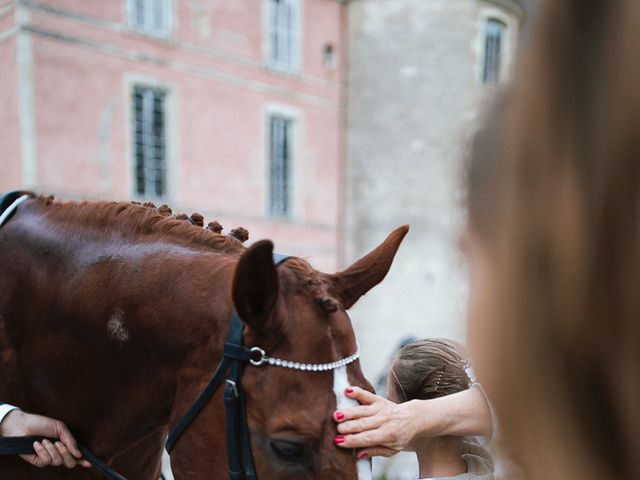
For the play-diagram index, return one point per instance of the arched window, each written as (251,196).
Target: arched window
(493,50)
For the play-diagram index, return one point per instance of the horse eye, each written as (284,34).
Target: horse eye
(290,452)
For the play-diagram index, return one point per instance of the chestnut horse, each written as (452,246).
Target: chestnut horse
(113,317)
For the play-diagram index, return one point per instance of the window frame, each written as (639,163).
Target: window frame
(493,74)
(296,167)
(288,133)
(296,38)
(164,32)
(149,150)
(172,136)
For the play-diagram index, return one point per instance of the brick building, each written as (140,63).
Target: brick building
(232,108)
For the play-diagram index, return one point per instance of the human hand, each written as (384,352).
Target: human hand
(63,452)
(377,426)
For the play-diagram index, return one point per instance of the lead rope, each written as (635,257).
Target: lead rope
(24,446)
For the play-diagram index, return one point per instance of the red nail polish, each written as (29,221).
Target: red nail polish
(348,390)
(339,439)
(339,416)
(362,455)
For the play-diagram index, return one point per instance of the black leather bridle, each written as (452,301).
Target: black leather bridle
(230,370)
(234,357)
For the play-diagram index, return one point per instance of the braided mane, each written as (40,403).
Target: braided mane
(133,219)
(144,220)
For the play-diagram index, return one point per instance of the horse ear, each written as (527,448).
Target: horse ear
(255,284)
(367,272)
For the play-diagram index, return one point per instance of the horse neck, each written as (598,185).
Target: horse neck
(136,323)
(179,318)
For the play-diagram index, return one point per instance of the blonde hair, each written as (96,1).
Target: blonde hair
(428,368)
(566,354)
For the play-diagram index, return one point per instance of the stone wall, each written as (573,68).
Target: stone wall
(414,94)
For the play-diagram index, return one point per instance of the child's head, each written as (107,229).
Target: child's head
(426,369)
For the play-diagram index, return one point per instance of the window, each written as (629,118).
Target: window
(282,34)
(150,153)
(280,139)
(152,17)
(328,56)
(493,45)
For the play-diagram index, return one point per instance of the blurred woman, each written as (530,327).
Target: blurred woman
(554,247)
(555,307)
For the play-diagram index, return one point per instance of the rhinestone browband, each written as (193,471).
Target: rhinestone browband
(261,358)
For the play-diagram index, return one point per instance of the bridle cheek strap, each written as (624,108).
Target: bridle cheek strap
(238,442)
(239,455)
(240,458)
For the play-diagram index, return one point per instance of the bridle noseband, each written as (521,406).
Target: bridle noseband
(261,358)
(235,356)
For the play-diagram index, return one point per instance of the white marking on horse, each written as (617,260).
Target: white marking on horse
(340,382)
(116,328)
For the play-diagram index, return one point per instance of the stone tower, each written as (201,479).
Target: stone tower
(419,73)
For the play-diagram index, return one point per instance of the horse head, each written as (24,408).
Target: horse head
(298,314)
(136,305)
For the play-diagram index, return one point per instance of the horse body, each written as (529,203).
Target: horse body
(113,317)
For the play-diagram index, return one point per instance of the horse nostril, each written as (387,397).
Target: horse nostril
(290,452)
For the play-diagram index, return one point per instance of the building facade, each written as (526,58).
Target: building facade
(232,108)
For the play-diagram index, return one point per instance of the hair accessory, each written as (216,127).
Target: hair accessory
(439,378)
(470,373)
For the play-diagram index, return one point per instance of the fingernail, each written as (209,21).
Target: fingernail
(339,439)
(362,455)
(339,416)
(348,390)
